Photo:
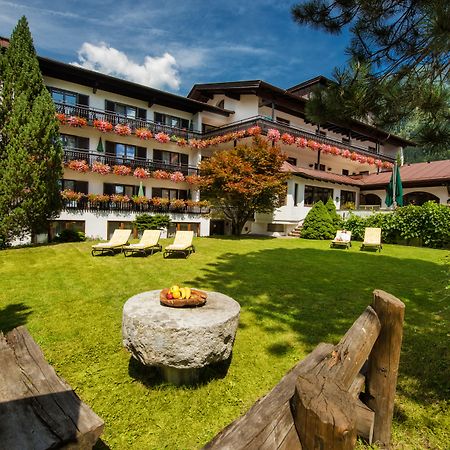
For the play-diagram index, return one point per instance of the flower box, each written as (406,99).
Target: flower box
(122,130)
(273,135)
(162,137)
(144,134)
(103,125)
(121,170)
(161,175)
(177,177)
(78,165)
(75,121)
(102,169)
(141,173)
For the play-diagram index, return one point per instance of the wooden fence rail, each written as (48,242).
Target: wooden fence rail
(318,405)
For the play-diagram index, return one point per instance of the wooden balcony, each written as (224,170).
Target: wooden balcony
(266,124)
(109,206)
(90,157)
(91,114)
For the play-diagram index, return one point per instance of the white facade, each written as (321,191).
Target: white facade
(232,112)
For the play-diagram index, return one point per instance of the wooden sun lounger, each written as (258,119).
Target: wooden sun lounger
(342,239)
(117,241)
(372,239)
(148,243)
(181,244)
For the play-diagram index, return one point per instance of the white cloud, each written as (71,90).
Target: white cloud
(157,71)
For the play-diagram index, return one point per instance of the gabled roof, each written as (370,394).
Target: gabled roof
(320,175)
(291,103)
(433,173)
(308,85)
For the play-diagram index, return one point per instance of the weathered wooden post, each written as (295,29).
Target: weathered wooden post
(381,379)
(323,408)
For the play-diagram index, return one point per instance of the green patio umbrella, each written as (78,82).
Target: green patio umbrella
(141,190)
(394,191)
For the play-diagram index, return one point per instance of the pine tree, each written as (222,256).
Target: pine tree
(318,223)
(30,146)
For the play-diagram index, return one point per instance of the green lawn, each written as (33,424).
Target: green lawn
(293,293)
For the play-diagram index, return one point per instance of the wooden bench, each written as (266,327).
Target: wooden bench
(319,404)
(38,409)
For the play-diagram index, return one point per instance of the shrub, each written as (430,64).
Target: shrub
(70,236)
(151,222)
(335,217)
(318,223)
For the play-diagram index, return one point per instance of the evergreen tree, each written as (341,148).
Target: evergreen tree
(334,216)
(318,223)
(399,66)
(30,146)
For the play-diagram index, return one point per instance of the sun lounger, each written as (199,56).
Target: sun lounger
(148,243)
(372,239)
(342,239)
(117,241)
(181,244)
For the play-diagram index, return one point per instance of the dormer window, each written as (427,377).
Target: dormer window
(221,104)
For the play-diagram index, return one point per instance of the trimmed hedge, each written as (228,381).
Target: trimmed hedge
(427,225)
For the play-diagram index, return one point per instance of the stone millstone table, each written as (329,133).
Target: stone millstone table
(180,341)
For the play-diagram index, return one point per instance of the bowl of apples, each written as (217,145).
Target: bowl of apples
(179,297)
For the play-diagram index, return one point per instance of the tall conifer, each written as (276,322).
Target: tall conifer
(30,147)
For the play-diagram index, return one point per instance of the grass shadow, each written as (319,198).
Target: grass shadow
(14,315)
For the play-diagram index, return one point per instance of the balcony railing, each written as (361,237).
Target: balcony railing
(266,123)
(109,206)
(91,114)
(90,157)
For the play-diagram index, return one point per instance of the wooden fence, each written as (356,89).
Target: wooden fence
(335,394)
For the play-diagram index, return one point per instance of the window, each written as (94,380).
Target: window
(75,185)
(121,189)
(128,111)
(183,226)
(348,198)
(173,158)
(171,194)
(292,161)
(171,121)
(283,121)
(295,194)
(345,172)
(314,193)
(319,167)
(125,152)
(68,97)
(74,142)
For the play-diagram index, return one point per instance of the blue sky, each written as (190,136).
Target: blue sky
(172,44)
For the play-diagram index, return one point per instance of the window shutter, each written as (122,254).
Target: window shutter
(109,106)
(141,152)
(83,100)
(110,148)
(184,159)
(142,114)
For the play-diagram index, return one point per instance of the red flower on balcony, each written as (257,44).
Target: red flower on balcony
(141,173)
(140,199)
(287,139)
(379,163)
(354,156)
(313,145)
(346,153)
(78,165)
(254,131)
(198,143)
(192,179)
(371,160)
(273,135)
(70,195)
(301,142)
(75,121)
(362,159)
(98,198)
(182,142)
(61,117)
(103,125)
(117,198)
(162,137)
(387,165)
(122,129)
(161,175)
(102,169)
(177,177)
(335,151)
(144,134)
(121,170)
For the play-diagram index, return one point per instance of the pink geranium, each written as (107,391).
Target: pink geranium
(178,177)
(287,139)
(162,137)
(103,125)
(122,129)
(144,134)
(254,131)
(75,121)
(301,142)
(141,173)
(79,166)
(273,135)
(161,175)
(121,170)
(102,169)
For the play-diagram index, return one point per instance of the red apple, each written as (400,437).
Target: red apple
(169,296)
